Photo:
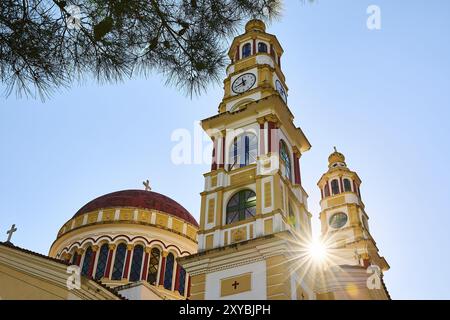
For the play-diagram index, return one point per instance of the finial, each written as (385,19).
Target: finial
(10,232)
(335,150)
(146,184)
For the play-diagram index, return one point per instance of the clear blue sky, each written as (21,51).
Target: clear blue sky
(382,97)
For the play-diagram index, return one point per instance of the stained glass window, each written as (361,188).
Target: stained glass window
(136,264)
(241,206)
(86,261)
(119,262)
(102,260)
(153,266)
(168,274)
(182,279)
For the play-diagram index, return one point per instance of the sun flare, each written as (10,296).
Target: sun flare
(317,250)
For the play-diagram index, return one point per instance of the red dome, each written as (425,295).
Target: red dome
(139,199)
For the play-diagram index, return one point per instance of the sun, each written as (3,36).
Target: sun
(317,250)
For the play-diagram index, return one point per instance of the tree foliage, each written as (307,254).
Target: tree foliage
(45,44)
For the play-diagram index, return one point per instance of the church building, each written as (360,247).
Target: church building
(254,237)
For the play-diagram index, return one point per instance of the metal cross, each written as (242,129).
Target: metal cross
(146,184)
(235,284)
(10,232)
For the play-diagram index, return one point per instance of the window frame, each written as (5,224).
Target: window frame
(102,261)
(116,268)
(155,254)
(240,210)
(335,190)
(348,186)
(168,272)
(285,159)
(136,263)
(243,151)
(264,45)
(87,261)
(244,53)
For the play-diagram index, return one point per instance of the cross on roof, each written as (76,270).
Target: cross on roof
(235,284)
(146,184)
(10,232)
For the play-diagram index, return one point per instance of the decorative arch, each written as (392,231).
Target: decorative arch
(241,103)
(122,238)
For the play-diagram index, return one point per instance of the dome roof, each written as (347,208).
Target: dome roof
(255,24)
(138,199)
(336,157)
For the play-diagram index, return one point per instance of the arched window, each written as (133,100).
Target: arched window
(327,190)
(135,273)
(101,263)
(182,279)
(243,151)
(87,261)
(285,159)
(168,274)
(74,259)
(347,185)
(262,47)
(241,206)
(334,187)
(291,212)
(119,262)
(246,50)
(153,266)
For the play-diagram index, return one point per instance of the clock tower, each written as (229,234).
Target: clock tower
(355,267)
(254,218)
(255,69)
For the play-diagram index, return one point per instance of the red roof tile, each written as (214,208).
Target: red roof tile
(139,199)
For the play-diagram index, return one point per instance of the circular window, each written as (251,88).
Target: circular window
(338,220)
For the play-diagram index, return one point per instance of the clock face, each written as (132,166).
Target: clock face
(281,90)
(338,220)
(243,83)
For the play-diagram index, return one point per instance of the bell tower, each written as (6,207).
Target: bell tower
(254,213)
(353,252)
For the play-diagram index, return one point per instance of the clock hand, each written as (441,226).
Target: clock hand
(241,84)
